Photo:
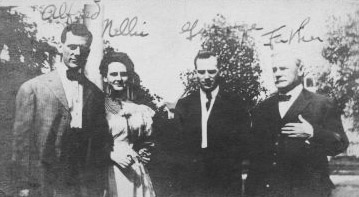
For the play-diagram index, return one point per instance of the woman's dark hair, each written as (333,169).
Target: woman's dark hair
(117,57)
(133,79)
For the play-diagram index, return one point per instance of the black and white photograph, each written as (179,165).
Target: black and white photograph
(179,98)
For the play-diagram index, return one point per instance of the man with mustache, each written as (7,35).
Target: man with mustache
(60,131)
(293,133)
(212,127)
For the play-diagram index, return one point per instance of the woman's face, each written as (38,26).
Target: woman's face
(117,76)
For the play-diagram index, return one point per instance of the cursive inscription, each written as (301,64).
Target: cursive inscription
(52,12)
(191,29)
(275,36)
(128,27)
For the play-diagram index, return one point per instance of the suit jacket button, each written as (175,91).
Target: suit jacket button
(267,185)
(276,143)
(274,163)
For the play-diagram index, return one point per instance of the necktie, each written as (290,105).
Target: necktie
(283,97)
(209,98)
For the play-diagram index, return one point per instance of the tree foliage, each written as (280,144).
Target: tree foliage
(341,81)
(26,55)
(237,58)
(19,36)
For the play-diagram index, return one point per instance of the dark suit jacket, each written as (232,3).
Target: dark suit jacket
(216,169)
(282,166)
(41,139)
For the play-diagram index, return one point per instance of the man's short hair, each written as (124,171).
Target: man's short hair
(204,55)
(78,30)
(289,56)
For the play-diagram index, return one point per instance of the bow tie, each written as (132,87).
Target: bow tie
(74,75)
(283,97)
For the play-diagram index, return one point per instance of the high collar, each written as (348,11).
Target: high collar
(62,68)
(294,93)
(214,92)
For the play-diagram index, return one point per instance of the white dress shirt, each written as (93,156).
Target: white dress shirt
(205,114)
(74,92)
(285,105)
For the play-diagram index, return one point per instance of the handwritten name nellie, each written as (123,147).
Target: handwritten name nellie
(126,28)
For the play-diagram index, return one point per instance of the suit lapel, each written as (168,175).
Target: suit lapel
(87,92)
(55,84)
(271,111)
(197,108)
(269,116)
(216,106)
(297,107)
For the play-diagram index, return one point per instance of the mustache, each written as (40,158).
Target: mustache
(208,81)
(119,82)
(278,81)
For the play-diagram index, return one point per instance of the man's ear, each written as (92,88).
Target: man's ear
(301,69)
(195,72)
(60,48)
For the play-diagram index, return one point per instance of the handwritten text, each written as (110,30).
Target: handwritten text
(190,28)
(276,37)
(52,12)
(128,27)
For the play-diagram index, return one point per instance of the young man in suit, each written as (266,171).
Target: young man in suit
(60,130)
(211,138)
(293,133)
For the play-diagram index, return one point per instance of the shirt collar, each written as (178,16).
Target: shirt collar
(214,92)
(294,93)
(61,69)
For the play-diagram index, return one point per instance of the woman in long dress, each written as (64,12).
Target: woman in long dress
(130,125)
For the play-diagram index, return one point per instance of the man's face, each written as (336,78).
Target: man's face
(75,51)
(207,73)
(117,76)
(286,74)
